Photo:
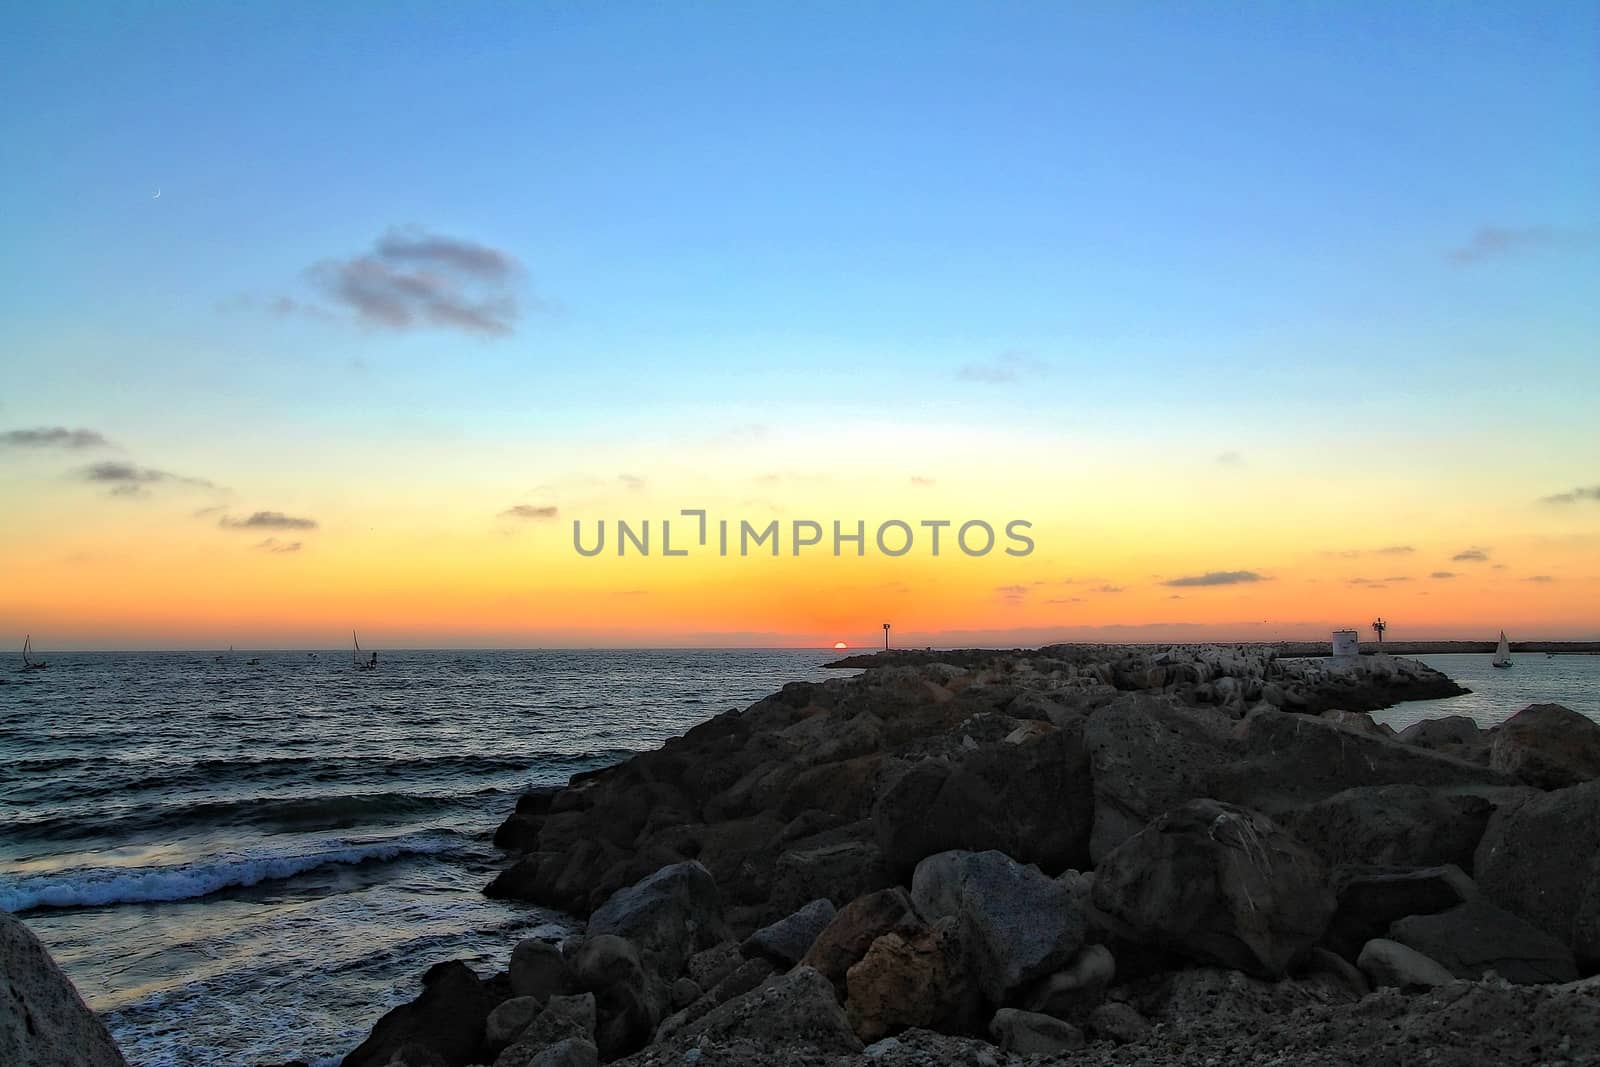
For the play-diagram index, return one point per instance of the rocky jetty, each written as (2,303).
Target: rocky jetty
(1081,853)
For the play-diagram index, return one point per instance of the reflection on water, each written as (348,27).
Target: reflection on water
(1533,678)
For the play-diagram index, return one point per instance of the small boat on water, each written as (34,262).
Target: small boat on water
(28,662)
(361,662)
(1502,654)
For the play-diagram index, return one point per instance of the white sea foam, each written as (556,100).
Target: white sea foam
(92,886)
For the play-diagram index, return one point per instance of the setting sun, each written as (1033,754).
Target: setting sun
(840,644)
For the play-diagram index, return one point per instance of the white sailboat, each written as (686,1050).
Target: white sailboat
(359,662)
(1502,654)
(28,662)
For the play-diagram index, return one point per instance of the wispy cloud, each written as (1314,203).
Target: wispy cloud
(631,482)
(922,483)
(1471,555)
(1572,496)
(1357,553)
(267,520)
(529,511)
(1442,574)
(1107,589)
(1230,459)
(1012,593)
(412,279)
(1006,367)
(1493,242)
(52,437)
(1215,578)
(1541,578)
(126,479)
(272,544)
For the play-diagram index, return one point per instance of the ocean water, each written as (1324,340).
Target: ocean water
(242,863)
(1532,678)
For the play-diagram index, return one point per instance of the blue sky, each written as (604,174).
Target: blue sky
(1296,230)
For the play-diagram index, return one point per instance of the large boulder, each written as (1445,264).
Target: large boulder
(563,1018)
(1391,964)
(1455,734)
(1016,923)
(1541,860)
(538,970)
(1029,1033)
(1032,800)
(1149,755)
(1371,898)
(1547,746)
(43,1020)
(839,870)
(914,978)
(450,1019)
(1476,937)
(787,940)
(1392,825)
(668,916)
(846,938)
(628,1001)
(1220,884)
(795,1013)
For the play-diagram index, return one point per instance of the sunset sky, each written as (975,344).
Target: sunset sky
(1269,319)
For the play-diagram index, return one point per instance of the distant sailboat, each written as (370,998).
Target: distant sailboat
(1502,654)
(28,662)
(360,663)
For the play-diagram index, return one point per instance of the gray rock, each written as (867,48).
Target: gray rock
(1542,861)
(1219,884)
(1392,825)
(563,1017)
(840,871)
(1370,898)
(1447,733)
(1121,1023)
(538,970)
(667,915)
(629,1002)
(786,941)
(1016,924)
(1149,756)
(508,1019)
(1389,963)
(568,1052)
(1071,992)
(684,992)
(43,1020)
(1322,961)
(1028,1033)
(711,965)
(1547,746)
(795,1009)
(449,1019)
(1476,937)
(1032,801)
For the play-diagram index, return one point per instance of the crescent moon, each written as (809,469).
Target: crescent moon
(157,196)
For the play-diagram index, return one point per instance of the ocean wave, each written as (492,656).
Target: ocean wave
(95,886)
(108,776)
(314,812)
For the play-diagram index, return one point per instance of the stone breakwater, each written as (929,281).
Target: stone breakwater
(1076,854)
(1096,853)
